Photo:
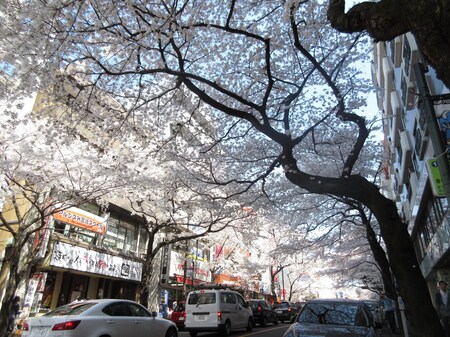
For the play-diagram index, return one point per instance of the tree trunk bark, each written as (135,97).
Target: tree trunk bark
(402,256)
(382,261)
(9,272)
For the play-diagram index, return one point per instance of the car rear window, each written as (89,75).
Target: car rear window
(282,305)
(70,309)
(253,304)
(330,313)
(202,298)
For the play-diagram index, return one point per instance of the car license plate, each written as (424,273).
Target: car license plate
(38,331)
(181,318)
(201,317)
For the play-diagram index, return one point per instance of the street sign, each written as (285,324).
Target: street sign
(437,186)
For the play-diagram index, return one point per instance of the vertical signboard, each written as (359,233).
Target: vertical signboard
(165,264)
(437,186)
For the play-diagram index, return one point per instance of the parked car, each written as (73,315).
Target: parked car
(217,309)
(95,318)
(333,318)
(286,311)
(263,312)
(377,311)
(179,315)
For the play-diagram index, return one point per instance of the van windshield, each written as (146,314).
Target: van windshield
(202,298)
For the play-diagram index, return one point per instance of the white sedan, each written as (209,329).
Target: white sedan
(95,318)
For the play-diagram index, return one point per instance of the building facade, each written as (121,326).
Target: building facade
(414,148)
(86,255)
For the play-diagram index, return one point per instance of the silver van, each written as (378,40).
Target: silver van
(217,309)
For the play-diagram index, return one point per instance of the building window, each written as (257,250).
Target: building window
(121,235)
(407,55)
(124,235)
(432,218)
(75,233)
(392,49)
(404,90)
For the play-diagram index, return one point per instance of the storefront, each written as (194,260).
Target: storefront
(181,272)
(74,273)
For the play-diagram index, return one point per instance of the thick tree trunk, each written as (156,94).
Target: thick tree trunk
(147,274)
(402,257)
(9,272)
(382,261)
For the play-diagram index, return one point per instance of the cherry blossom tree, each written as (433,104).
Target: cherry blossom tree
(50,163)
(185,217)
(278,84)
(38,179)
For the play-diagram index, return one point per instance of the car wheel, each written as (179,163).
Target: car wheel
(263,321)
(250,325)
(172,333)
(276,320)
(226,329)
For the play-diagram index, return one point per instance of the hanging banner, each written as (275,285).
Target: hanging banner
(82,259)
(80,218)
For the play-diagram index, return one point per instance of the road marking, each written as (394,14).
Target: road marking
(262,331)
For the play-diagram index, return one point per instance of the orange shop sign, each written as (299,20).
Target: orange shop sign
(79,218)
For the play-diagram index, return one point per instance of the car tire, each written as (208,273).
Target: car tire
(276,320)
(263,321)
(250,325)
(193,333)
(171,332)
(226,329)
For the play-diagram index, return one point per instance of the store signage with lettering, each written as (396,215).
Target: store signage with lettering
(437,186)
(82,259)
(165,264)
(197,269)
(79,218)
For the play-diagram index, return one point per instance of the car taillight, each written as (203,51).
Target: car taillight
(70,325)
(25,326)
(290,309)
(219,316)
(259,308)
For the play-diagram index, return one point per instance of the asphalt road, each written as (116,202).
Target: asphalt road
(268,331)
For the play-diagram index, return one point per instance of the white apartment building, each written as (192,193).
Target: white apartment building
(411,151)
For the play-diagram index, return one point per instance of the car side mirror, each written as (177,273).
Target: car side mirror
(154,314)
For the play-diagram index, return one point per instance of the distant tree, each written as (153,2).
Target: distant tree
(176,222)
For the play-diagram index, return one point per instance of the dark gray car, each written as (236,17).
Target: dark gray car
(333,318)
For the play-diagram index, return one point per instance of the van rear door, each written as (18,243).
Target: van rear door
(201,309)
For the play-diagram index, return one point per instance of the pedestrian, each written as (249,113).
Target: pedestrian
(163,309)
(442,301)
(388,308)
(13,312)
